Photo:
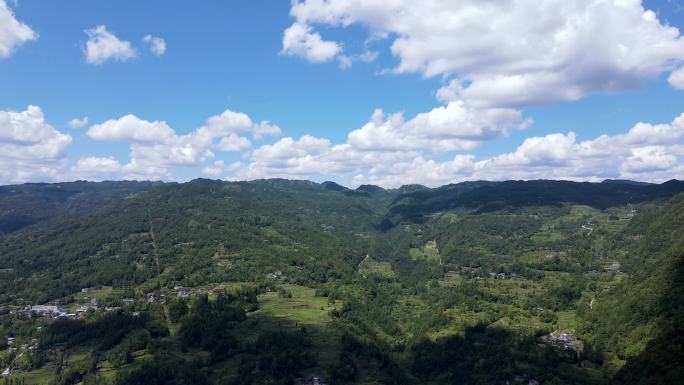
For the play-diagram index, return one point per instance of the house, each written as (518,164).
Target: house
(310,380)
(48,310)
(151,297)
(275,274)
(128,301)
(182,291)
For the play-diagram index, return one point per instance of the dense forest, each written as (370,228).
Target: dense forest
(295,282)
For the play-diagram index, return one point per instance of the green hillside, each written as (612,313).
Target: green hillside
(277,281)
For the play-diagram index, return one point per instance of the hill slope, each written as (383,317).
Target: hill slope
(270,280)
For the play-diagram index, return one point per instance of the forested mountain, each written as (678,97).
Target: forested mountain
(31,204)
(278,281)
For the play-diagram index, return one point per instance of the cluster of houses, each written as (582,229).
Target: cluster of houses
(182,292)
(48,311)
(53,311)
(185,292)
(563,339)
(13,347)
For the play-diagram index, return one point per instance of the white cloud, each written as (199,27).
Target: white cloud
(265,128)
(313,158)
(78,123)
(289,148)
(299,40)
(231,122)
(651,152)
(157,44)
(344,61)
(511,53)
(448,128)
(94,168)
(219,168)
(232,143)
(676,78)
(419,170)
(30,148)
(133,129)
(368,56)
(13,33)
(102,45)
(156,150)
(649,159)
(36,151)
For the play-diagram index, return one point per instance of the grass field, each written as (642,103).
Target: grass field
(40,376)
(566,320)
(303,308)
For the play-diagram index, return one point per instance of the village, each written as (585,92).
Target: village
(89,301)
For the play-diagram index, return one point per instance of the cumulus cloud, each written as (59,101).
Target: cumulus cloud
(156,150)
(263,129)
(30,148)
(13,33)
(299,40)
(231,122)
(157,44)
(103,45)
(315,158)
(133,129)
(676,78)
(219,168)
(509,53)
(649,159)
(650,152)
(97,169)
(233,143)
(448,128)
(78,123)
(289,148)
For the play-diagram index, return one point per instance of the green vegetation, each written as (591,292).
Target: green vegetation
(271,281)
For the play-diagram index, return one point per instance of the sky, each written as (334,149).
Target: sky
(386,92)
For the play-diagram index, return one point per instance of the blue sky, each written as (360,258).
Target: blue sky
(231,55)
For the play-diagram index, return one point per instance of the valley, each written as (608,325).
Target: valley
(280,282)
